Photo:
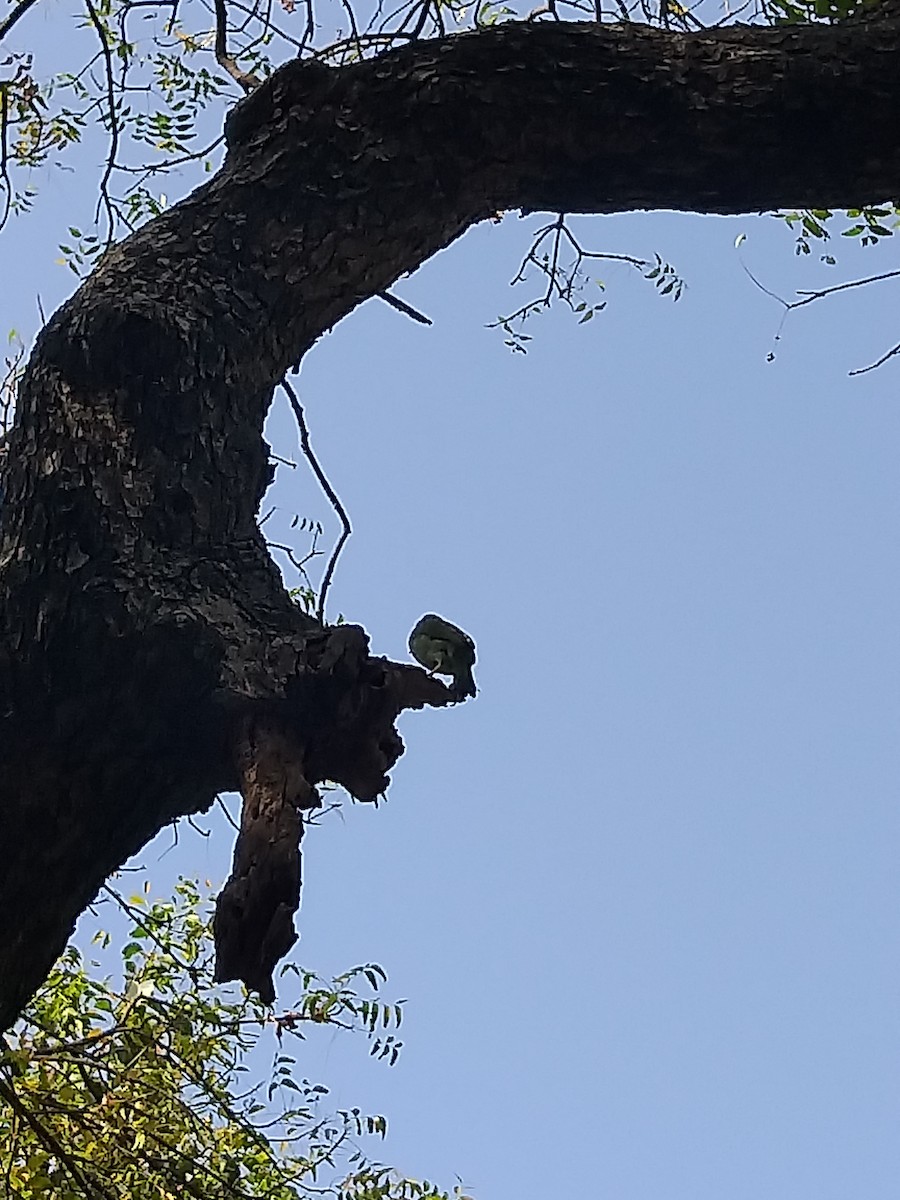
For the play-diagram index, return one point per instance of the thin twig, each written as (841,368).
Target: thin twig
(172,19)
(228,817)
(329,492)
(196,828)
(309,28)
(354,30)
(265,22)
(554,261)
(17,13)
(383,27)
(251,15)
(403,307)
(299,564)
(267,26)
(4,156)
(417,19)
(808,297)
(772,295)
(879,362)
(113,123)
(245,79)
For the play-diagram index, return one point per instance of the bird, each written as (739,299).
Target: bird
(443,649)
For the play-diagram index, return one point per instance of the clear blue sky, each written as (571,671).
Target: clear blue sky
(642,894)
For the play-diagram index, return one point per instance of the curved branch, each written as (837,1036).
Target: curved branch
(113,122)
(11,19)
(329,491)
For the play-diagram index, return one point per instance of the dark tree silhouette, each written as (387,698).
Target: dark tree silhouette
(149,654)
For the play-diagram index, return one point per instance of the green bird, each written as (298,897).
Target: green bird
(444,649)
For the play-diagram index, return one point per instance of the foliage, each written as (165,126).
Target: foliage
(866,225)
(149,1083)
(798,12)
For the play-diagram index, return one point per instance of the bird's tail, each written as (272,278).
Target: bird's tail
(464,683)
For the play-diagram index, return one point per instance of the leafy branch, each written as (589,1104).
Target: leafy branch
(134,1085)
(557,255)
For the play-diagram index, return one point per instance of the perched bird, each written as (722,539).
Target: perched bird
(444,649)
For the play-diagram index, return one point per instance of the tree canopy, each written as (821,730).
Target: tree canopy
(147,1083)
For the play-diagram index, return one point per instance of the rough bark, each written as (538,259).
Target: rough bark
(149,656)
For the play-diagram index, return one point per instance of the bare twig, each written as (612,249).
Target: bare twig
(879,362)
(808,297)
(299,564)
(772,295)
(354,30)
(252,13)
(403,307)
(265,23)
(16,15)
(4,156)
(113,123)
(173,17)
(820,293)
(329,492)
(309,28)
(268,27)
(244,79)
(228,817)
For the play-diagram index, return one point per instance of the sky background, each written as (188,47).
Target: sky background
(642,893)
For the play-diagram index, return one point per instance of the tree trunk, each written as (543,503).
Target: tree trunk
(149,654)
